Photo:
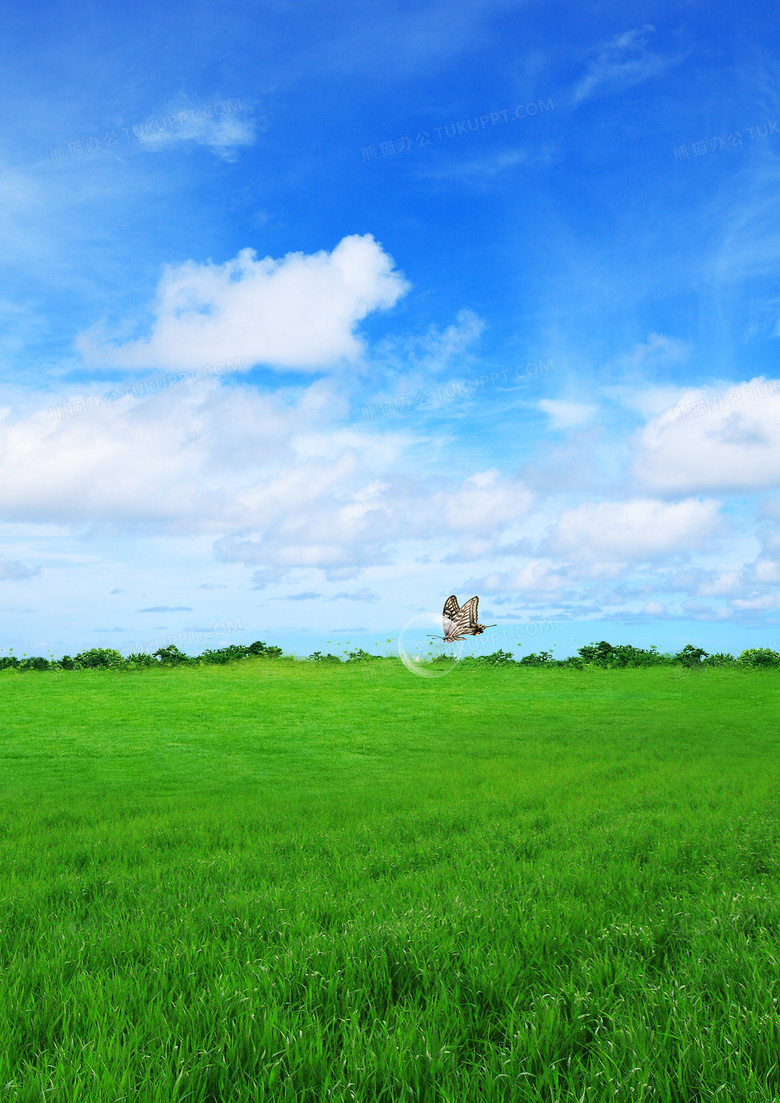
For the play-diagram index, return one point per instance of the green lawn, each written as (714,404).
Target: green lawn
(290,881)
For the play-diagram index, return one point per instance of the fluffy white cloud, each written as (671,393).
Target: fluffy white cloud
(296,313)
(354,520)
(193,459)
(639,530)
(723,443)
(536,580)
(726,584)
(483,504)
(266,476)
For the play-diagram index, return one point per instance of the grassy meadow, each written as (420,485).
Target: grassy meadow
(288,881)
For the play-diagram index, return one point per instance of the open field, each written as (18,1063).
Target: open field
(287,881)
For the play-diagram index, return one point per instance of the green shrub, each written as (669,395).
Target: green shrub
(537,660)
(222,655)
(34,662)
(497,658)
(691,656)
(318,657)
(608,655)
(98,656)
(234,651)
(171,655)
(140,658)
(264,649)
(760,656)
(720,658)
(359,656)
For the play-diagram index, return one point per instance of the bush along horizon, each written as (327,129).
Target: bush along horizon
(623,655)
(605,655)
(107,658)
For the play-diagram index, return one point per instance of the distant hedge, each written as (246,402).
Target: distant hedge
(108,658)
(606,655)
(612,656)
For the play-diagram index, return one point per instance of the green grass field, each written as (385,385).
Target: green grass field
(291,881)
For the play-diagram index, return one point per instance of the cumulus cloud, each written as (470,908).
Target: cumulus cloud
(654,609)
(298,313)
(637,530)
(483,504)
(727,442)
(345,520)
(536,580)
(200,459)
(265,476)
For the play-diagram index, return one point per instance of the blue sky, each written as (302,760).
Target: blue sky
(314,314)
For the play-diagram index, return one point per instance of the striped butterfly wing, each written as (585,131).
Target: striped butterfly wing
(469,608)
(451,607)
(462,624)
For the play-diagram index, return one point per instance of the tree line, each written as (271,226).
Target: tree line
(603,654)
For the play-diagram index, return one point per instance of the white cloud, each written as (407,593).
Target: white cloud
(565,415)
(657,349)
(726,584)
(647,401)
(717,442)
(767,572)
(621,63)
(654,609)
(483,504)
(479,168)
(299,312)
(339,518)
(216,126)
(262,475)
(637,530)
(199,459)
(535,580)
(764,603)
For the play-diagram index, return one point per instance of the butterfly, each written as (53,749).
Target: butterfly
(461,620)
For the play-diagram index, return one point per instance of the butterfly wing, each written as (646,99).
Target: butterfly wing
(469,611)
(463,621)
(459,624)
(451,607)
